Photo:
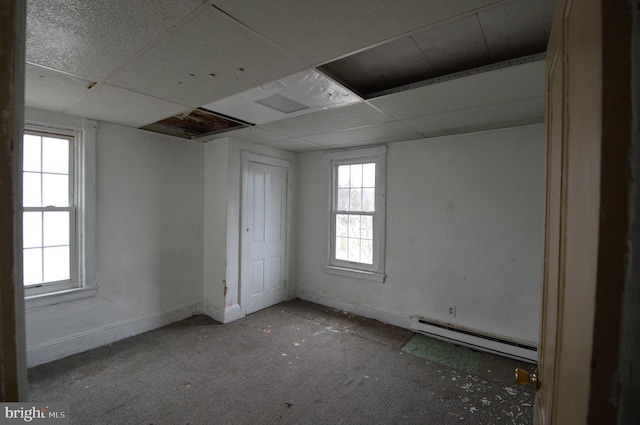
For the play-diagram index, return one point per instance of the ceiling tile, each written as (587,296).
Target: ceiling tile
(52,90)
(90,39)
(455,46)
(507,84)
(298,94)
(517,28)
(209,58)
(484,127)
(252,134)
(357,115)
(319,34)
(113,104)
(294,145)
(378,141)
(480,116)
(378,131)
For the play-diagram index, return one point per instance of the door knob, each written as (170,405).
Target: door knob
(523,377)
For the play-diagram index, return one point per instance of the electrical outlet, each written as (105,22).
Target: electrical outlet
(452,310)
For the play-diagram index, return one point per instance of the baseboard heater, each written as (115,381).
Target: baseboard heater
(475,340)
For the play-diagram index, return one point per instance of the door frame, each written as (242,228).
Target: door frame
(598,308)
(246,158)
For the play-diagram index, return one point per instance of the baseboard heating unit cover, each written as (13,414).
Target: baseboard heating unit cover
(478,341)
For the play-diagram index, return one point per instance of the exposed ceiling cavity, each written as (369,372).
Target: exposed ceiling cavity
(495,34)
(290,74)
(199,122)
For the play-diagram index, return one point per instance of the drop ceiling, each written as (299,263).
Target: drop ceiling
(418,68)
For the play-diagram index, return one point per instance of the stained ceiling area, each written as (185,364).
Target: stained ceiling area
(293,75)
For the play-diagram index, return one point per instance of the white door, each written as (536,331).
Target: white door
(264,232)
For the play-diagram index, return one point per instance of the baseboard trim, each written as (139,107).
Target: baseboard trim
(94,338)
(372,313)
(232,313)
(505,348)
(213,312)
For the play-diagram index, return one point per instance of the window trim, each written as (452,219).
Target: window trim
(373,272)
(82,283)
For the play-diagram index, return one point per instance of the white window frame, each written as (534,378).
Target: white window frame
(375,271)
(82,179)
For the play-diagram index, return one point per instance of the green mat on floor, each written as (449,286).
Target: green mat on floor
(443,352)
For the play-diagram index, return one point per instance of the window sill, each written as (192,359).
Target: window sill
(52,298)
(354,273)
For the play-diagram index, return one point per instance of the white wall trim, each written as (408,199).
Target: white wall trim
(52,298)
(213,312)
(232,313)
(83,341)
(370,312)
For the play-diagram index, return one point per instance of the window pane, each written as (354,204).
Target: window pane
(354,226)
(341,248)
(31,153)
(369,175)
(342,223)
(31,194)
(343,175)
(56,264)
(343,200)
(55,189)
(31,229)
(368,200)
(56,228)
(355,198)
(32,266)
(356,175)
(55,155)
(366,251)
(366,227)
(354,250)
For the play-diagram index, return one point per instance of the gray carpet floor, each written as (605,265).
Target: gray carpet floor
(294,363)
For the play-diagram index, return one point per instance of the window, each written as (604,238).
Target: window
(54,210)
(357,220)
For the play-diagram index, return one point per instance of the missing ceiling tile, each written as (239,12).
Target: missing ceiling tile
(199,122)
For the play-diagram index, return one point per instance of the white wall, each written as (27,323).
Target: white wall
(464,228)
(149,243)
(216,172)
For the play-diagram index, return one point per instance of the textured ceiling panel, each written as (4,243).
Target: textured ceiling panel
(295,145)
(208,58)
(320,31)
(378,131)
(456,46)
(330,120)
(519,27)
(388,65)
(112,104)
(252,134)
(52,90)
(376,141)
(91,38)
(479,116)
(503,85)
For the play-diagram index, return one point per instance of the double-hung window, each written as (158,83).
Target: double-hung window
(357,216)
(49,211)
(58,213)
